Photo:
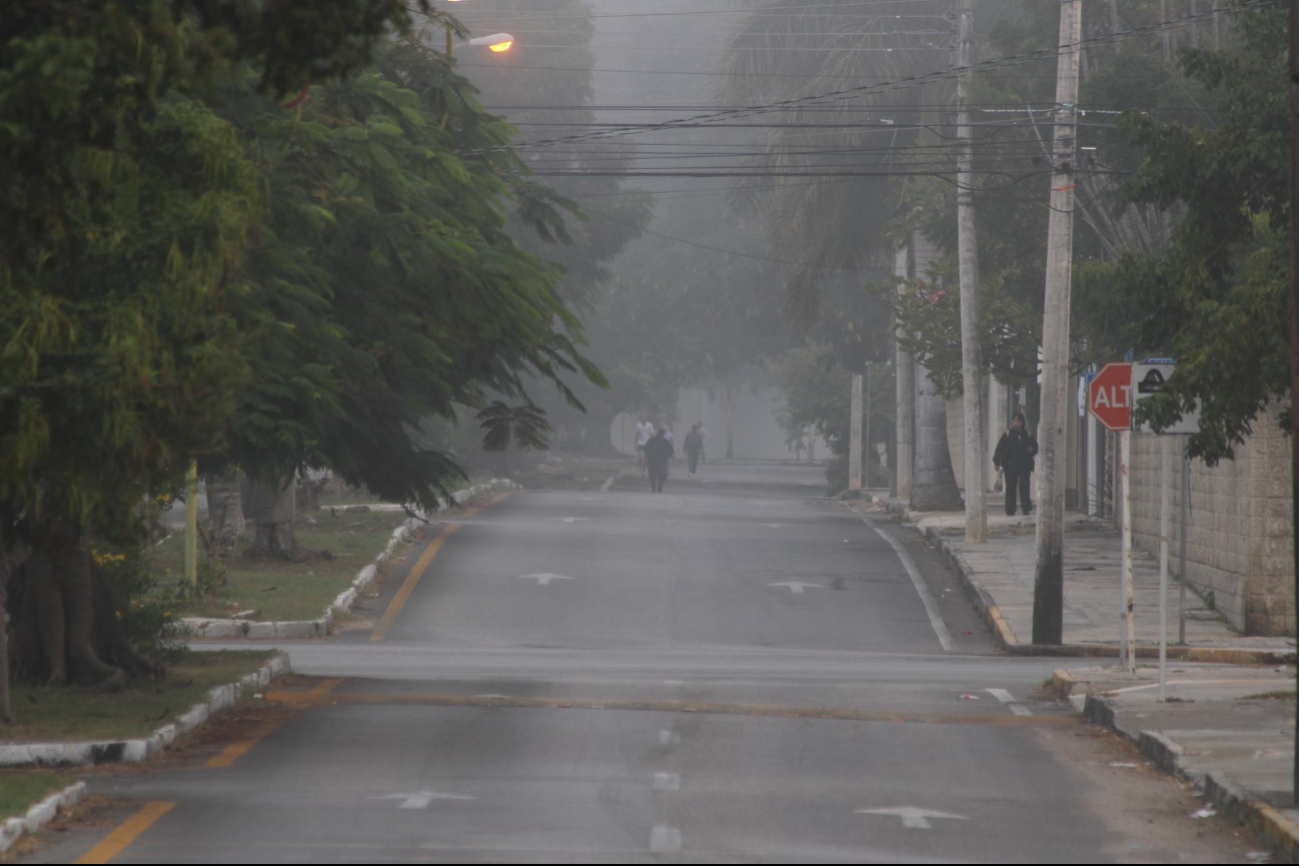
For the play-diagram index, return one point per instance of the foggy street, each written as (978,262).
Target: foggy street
(737,669)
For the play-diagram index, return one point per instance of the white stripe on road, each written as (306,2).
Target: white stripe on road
(665,839)
(667,782)
(1009,700)
(669,738)
(927,598)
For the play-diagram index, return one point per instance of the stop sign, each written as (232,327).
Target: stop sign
(1109,396)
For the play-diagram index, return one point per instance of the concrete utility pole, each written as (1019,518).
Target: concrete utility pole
(904,375)
(1048,589)
(854,437)
(976,512)
(1294,308)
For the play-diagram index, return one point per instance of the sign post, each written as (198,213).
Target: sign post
(1109,399)
(1147,379)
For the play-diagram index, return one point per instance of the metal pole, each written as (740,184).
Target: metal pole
(1117,507)
(1125,438)
(1181,541)
(1294,312)
(976,514)
(191,525)
(854,436)
(866,435)
(1163,566)
(1048,559)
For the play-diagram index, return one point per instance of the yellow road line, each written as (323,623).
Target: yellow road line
(232,752)
(417,571)
(788,711)
(117,841)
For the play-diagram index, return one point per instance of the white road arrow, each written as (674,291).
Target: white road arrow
(420,799)
(912,817)
(797,586)
(545,579)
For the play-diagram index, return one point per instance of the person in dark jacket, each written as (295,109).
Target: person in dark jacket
(694,447)
(1014,456)
(658,451)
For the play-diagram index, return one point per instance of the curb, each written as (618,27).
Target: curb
(202,627)
(1280,833)
(83,754)
(1004,635)
(41,814)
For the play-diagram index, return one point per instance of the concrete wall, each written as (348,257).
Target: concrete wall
(1239,545)
(756,434)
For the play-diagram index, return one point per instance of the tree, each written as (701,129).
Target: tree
(1211,299)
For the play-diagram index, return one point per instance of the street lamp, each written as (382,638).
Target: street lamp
(497,42)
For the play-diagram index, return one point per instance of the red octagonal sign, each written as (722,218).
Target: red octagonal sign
(1109,396)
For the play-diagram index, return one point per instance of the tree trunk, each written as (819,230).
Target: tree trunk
(904,380)
(269,507)
(730,397)
(67,626)
(597,441)
(933,486)
(225,508)
(12,556)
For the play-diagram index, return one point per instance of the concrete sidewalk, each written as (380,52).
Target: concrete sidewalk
(999,579)
(1228,729)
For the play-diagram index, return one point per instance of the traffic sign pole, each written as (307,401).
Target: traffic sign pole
(1129,596)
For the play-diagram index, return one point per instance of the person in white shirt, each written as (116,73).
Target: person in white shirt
(644,430)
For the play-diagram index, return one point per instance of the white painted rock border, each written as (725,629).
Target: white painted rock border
(81,754)
(41,814)
(202,627)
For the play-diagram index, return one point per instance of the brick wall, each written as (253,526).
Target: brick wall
(1240,535)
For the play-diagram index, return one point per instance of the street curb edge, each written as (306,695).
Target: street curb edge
(87,754)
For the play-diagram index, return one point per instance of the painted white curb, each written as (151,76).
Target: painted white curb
(41,814)
(202,627)
(83,754)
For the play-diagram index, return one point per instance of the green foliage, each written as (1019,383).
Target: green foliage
(127,202)
(146,615)
(1216,298)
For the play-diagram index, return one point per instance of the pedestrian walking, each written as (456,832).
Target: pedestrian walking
(658,451)
(644,430)
(1014,456)
(694,447)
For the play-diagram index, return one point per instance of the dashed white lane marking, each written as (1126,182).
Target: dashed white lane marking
(669,738)
(926,598)
(665,839)
(1009,700)
(667,782)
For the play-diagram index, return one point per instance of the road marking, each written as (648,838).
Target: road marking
(1009,700)
(665,839)
(788,711)
(926,598)
(674,683)
(913,818)
(572,519)
(420,799)
(669,738)
(773,525)
(417,570)
(667,782)
(234,751)
(544,579)
(796,586)
(117,841)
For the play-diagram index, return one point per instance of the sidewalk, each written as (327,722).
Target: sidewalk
(1227,729)
(999,579)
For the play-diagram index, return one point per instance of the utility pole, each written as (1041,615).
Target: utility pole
(854,437)
(904,375)
(976,513)
(1048,588)
(1294,308)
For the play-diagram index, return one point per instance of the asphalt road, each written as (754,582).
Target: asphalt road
(735,670)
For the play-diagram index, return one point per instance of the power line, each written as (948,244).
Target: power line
(906,81)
